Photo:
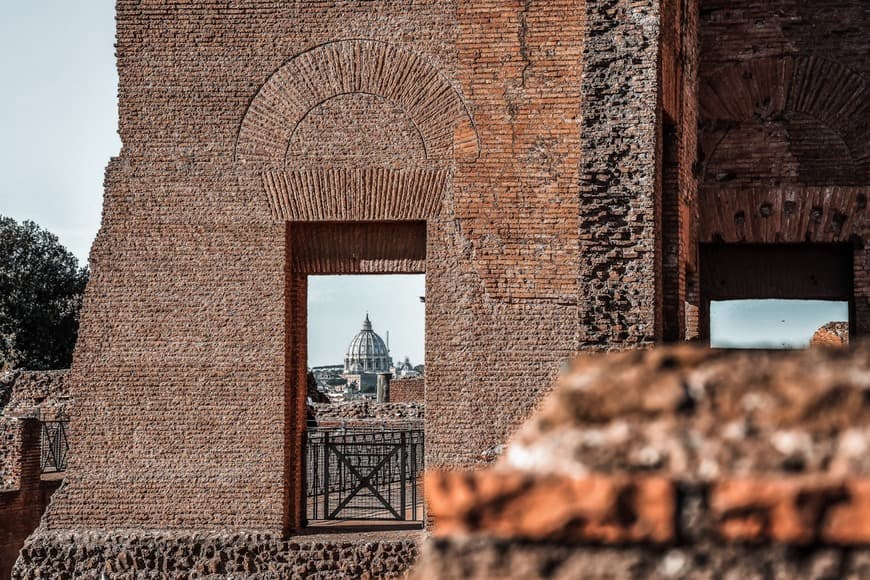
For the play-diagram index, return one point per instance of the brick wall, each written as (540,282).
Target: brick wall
(785,127)
(536,159)
(467,117)
(525,138)
(24,498)
(407,390)
(678,153)
(541,154)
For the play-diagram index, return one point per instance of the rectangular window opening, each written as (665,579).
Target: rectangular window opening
(778,323)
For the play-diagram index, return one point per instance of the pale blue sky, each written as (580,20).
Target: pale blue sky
(58,115)
(337,306)
(771,323)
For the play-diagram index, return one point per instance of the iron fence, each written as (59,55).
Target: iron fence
(55,446)
(364,474)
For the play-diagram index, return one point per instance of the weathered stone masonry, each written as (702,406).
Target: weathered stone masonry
(25,398)
(784,130)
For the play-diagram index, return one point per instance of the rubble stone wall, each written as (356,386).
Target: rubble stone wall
(243,555)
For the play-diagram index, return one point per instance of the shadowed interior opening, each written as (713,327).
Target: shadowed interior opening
(768,295)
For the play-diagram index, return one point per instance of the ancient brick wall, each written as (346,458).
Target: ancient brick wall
(517,143)
(785,127)
(706,464)
(407,390)
(240,123)
(23,498)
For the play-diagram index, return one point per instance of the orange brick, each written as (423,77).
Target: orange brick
(517,505)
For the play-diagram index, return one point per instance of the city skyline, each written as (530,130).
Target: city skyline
(337,306)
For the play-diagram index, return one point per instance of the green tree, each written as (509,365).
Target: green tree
(41,288)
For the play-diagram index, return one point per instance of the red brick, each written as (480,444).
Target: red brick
(789,510)
(849,522)
(516,505)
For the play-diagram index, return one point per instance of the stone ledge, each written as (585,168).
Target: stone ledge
(602,509)
(795,510)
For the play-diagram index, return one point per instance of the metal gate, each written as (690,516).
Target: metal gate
(55,446)
(364,474)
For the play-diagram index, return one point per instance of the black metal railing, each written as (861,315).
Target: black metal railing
(55,446)
(358,473)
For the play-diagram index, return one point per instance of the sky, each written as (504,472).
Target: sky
(337,306)
(771,323)
(58,129)
(58,114)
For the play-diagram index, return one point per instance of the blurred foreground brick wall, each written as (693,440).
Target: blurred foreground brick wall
(673,463)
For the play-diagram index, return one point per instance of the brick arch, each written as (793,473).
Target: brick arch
(368,67)
(380,126)
(774,89)
(794,149)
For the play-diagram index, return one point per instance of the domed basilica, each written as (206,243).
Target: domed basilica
(366,357)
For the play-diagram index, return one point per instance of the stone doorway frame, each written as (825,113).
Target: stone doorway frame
(330,248)
(343,196)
